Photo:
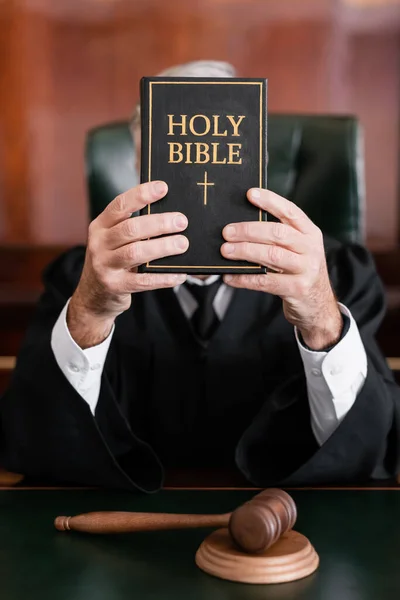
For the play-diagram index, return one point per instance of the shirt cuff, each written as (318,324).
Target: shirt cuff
(82,368)
(338,370)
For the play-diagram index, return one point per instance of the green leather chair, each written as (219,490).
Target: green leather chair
(316,161)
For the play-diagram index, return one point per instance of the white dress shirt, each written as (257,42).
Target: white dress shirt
(333,378)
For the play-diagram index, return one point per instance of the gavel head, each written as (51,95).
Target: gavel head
(261,521)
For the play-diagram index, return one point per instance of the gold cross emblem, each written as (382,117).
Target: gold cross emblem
(205,183)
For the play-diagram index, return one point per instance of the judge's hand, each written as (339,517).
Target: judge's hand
(294,249)
(117,245)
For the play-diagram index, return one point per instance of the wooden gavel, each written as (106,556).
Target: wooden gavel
(254,526)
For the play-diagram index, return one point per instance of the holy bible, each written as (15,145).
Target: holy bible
(206,138)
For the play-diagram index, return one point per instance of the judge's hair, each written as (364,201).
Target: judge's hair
(197,68)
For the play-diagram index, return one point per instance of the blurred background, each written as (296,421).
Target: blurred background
(68,65)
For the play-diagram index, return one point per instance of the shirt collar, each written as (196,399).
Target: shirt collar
(194,280)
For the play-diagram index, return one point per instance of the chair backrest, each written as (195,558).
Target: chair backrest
(316,161)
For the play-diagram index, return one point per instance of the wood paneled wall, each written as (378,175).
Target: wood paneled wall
(68,65)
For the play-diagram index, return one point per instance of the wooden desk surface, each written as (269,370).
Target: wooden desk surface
(355,532)
(7,363)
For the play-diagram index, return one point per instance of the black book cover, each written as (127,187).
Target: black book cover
(206,137)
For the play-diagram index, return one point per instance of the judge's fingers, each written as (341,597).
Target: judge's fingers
(138,253)
(275,257)
(285,210)
(143,227)
(262,232)
(142,282)
(272,283)
(131,201)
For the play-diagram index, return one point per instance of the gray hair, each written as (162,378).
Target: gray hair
(197,68)
(200,68)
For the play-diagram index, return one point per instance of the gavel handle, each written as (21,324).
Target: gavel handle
(127,522)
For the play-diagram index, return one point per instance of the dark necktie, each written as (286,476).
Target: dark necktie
(204,319)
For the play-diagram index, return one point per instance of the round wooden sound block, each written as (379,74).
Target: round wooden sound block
(291,557)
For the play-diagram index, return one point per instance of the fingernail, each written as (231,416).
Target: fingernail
(179,278)
(181,221)
(182,242)
(160,187)
(230,231)
(255,193)
(229,248)
(228,278)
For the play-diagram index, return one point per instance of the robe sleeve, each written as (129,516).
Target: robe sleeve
(48,432)
(279,448)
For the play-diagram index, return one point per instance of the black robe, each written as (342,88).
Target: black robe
(166,401)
